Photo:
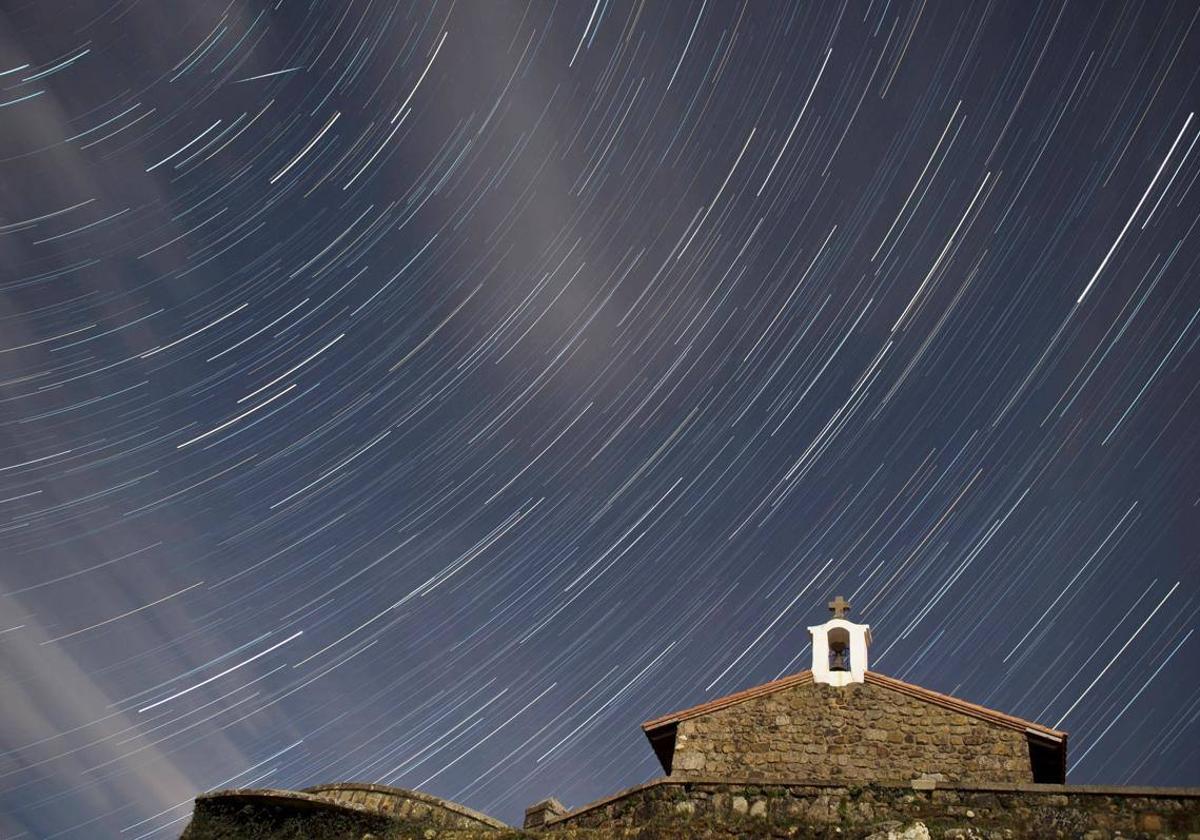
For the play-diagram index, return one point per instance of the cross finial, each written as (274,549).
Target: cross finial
(839,606)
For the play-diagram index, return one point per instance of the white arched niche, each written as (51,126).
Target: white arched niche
(850,638)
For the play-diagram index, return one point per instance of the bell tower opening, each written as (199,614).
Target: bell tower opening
(839,650)
(839,647)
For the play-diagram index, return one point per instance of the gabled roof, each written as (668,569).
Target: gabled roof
(872,678)
(661,730)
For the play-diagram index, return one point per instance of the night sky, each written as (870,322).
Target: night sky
(429,393)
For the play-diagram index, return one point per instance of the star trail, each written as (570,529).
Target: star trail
(428,393)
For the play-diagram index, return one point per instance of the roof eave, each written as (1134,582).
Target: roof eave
(662,741)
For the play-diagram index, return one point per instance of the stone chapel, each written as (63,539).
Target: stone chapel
(834,749)
(840,722)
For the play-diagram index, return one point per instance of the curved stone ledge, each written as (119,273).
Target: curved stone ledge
(404,804)
(343,810)
(266,812)
(273,796)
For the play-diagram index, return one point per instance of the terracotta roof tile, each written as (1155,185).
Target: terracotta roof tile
(801,678)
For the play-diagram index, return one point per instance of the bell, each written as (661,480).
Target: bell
(838,661)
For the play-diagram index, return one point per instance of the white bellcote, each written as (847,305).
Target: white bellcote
(839,647)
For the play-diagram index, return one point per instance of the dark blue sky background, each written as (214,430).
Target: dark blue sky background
(427,394)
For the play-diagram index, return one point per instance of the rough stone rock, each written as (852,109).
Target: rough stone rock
(912,831)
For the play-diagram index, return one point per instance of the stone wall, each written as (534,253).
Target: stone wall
(710,809)
(858,732)
(1010,811)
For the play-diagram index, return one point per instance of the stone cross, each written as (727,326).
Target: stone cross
(839,606)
